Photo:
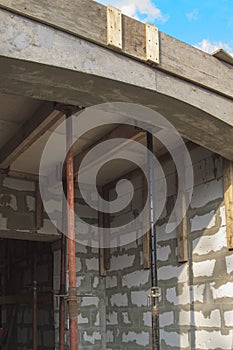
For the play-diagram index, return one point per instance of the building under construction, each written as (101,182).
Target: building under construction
(163,289)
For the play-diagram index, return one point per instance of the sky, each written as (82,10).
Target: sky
(206,24)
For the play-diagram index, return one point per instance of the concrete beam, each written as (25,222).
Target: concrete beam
(88,20)
(42,62)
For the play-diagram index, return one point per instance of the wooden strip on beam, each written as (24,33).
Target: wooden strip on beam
(87,19)
(114,28)
(228,199)
(30,131)
(152,44)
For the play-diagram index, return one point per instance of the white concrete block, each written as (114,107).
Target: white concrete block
(140,298)
(126,317)
(168,272)
(228,318)
(223,215)
(136,279)
(206,221)
(79,280)
(147,319)
(184,318)
(178,299)
(214,320)
(97,320)
(211,340)
(121,262)
(92,264)
(163,252)
(203,268)
(82,320)
(229,263)
(175,339)
(109,337)
(96,282)
(212,243)
(92,338)
(90,301)
(205,193)
(111,281)
(142,338)
(119,300)
(166,319)
(224,291)
(112,318)
(197,293)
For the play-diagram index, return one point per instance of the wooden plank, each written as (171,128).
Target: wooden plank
(88,20)
(228,200)
(30,131)
(114,28)
(182,234)
(146,237)
(39,208)
(29,236)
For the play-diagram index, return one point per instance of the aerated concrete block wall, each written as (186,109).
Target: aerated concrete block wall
(17,209)
(127,287)
(196,296)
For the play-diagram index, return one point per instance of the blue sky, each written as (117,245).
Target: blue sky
(207,24)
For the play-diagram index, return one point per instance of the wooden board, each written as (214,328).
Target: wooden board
(88,19)
(228,200)
(182,235)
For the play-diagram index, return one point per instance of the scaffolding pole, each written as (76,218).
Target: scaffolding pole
(72,298)
(62,292)
(153,298)
(34,308)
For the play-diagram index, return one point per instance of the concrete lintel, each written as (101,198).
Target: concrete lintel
(42,62)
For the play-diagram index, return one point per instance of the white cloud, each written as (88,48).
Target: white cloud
(207,46)
(143,10)
(193,15)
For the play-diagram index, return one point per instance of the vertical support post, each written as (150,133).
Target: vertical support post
(34,306)
(154,296)
(63,278)
(228,200)
(72,299)
(146,237)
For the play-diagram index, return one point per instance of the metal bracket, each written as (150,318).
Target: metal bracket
(114,28)
(152,44)
(153,297)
